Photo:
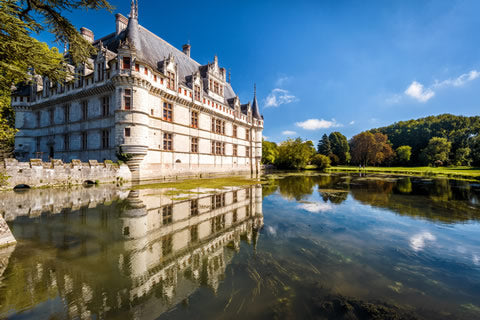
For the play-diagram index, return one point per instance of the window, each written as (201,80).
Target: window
(126,63)
(100,72)
(234,131)
(218,148)
(51,116)
(235,196)
(105,106)
(127,99)
(213,147)
(37,142)
(137,67)
(218,201)
(127,132)
(194,207)
(105,138)
(84,140)
(218,126)
(247,134)
(247,193)
(194,234)
(167,142)
(84,110)
(37,116)
(66,113)
(155,77)
(146,71)
(194,119)
(247,151)
(234,216)
(66,142)
(170,80)
(235,150)
(197,93)
(194,145)
(247,211)
(167,111)
(167,213)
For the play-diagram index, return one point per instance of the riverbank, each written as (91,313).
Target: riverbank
(470,173)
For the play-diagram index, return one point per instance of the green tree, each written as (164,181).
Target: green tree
(340,147)
(403,154)
(462,157)
(294,154)
(321,161)
(474,144)
(324,146)
(269,152)
(437,151)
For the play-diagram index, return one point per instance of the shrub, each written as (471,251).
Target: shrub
(322,162)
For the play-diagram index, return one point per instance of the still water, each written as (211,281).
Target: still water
(293,247)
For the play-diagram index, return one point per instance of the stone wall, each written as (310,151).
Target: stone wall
(56,173)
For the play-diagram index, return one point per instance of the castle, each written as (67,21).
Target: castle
(143,101)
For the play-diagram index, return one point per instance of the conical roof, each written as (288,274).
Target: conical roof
(255,109)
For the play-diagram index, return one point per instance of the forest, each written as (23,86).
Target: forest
(443,140)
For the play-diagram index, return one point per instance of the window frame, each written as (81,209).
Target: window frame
(167,141)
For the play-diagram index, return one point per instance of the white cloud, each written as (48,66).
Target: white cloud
(289,133)
(396,98)
(352,122)
(459,81)
(416,91)
(417,242)
(316,207)
(315,124)
(278,97)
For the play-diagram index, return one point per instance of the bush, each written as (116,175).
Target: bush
(322,162)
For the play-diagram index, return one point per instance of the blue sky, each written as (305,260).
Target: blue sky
(323,66)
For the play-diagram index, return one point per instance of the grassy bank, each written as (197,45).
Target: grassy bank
(449,172)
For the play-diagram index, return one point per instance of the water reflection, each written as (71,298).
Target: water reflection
(103,252)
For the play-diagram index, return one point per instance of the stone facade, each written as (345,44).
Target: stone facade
(145,100)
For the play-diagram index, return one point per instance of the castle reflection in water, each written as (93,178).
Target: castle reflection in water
(106,252)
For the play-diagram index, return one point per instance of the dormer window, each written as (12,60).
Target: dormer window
(197,93)
(171,80)
(126,63)
(100,72)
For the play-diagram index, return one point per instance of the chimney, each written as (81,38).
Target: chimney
(87,34)
(120,23)
(186,49)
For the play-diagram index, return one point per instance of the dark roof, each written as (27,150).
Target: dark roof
(153,50)
(255,110)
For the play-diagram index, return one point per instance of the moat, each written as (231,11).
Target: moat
(293,246)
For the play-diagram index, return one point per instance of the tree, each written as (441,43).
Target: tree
(294,154)
(269,152)
(462,157)
(340,147)
(403,154)
(474,144)
(321,161)
(324,146)
(437,151)
(368,148)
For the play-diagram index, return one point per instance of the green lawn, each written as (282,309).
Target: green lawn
(450,172)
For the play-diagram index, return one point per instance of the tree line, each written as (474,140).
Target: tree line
(435,141)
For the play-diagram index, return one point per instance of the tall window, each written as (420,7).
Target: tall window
(126,63)
(105,138)
(218,126)
(170,80)
(213,147)
(235,150)
(84,110)
(197,93)
(234,131)
(167,111)
(247,134)
(37,116)
(194,207)
(105,106)
(51,116)
(127,99)
(194,145)
(100,71)
(247,151)
(66,142)
(235,196)
(84,140)
(194,234)
(167,214)
(127,132)
(167,142)
(66,113)
(194,119)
